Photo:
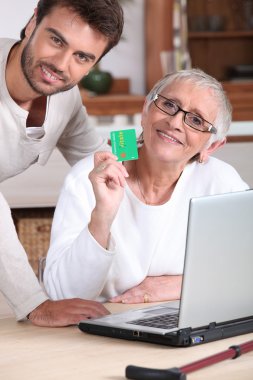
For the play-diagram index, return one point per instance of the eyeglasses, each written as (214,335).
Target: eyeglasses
(194,121)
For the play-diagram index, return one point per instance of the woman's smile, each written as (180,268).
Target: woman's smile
(168,137)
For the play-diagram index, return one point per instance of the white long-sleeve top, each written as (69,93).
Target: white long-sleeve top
(18,282)
(145,240)
(65,125)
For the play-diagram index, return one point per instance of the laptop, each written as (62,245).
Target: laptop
(216,296)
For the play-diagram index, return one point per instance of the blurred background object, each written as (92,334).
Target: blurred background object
(97,81)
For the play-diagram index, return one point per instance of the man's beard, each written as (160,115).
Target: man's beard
(27,68)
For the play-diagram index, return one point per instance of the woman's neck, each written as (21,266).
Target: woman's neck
(153,183)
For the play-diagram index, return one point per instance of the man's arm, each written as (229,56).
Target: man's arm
(21,288)
(79,138)
(66,312)
(18,282)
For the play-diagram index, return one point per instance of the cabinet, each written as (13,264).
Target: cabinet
(221,36)
(220,41)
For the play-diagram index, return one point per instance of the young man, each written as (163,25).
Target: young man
(41,108)
(40,104)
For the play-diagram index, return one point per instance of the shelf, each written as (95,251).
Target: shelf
(240,139)
(240,95)
(241,87)
(109,105)
(221,34)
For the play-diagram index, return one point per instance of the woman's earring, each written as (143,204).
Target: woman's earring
(203,157)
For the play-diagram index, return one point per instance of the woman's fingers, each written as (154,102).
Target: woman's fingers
(134,295)
(152,289)
(99,157)
(128,298)
(109,171)
(102,159)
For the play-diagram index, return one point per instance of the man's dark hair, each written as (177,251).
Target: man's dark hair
(105,16)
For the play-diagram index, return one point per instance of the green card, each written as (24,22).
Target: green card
(124,144)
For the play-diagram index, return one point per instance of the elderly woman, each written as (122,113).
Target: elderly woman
(119,231)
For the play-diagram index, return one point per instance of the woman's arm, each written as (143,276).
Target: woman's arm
(153,289)
(81,251)
(108,180)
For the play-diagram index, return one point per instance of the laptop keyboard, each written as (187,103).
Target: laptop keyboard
(165,321)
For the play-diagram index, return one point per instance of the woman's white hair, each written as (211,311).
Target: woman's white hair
(201,79)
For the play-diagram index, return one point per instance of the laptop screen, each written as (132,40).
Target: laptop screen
(218,280)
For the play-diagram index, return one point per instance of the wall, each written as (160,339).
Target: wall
(125,60)
(14,15)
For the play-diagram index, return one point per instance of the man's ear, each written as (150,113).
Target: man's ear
(31,24)
(205,153)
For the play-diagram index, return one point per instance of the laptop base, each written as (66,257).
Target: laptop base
(181,338)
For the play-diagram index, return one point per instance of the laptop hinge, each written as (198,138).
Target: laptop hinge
(212,326)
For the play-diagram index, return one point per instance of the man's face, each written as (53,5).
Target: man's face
(60,51)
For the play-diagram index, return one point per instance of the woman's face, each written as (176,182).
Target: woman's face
(167,137)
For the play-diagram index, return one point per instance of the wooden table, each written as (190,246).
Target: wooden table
(39,353)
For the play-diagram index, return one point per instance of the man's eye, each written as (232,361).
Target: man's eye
(56,40)
(83,58)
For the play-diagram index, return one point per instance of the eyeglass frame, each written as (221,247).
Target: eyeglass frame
(210,128)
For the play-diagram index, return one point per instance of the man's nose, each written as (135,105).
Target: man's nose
(62,61)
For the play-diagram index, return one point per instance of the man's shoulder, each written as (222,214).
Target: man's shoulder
(3,203)
(4,211)
(71,94)
(67,99)
(5,46)
(6,43)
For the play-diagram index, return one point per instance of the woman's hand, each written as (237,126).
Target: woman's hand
(108,181)
(152,289)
